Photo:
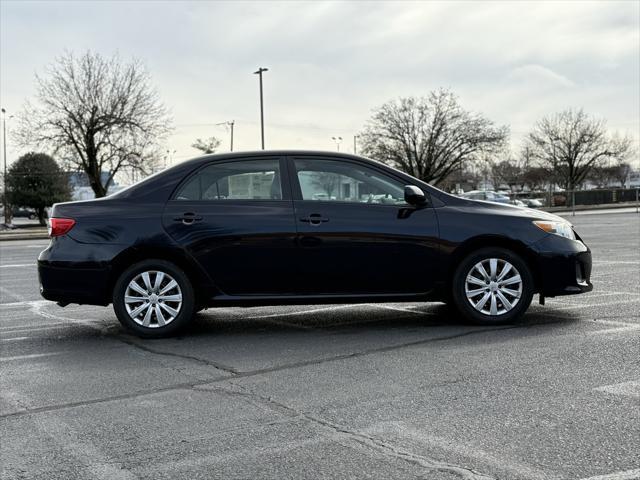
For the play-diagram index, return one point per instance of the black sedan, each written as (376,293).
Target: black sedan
(282,227)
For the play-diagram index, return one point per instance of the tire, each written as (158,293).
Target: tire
(154,315)
(505,298)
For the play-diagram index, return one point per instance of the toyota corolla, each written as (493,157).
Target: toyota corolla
(283,227)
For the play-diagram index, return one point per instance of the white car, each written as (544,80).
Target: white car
(487,195)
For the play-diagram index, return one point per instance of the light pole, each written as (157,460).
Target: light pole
(230,125)
(338,140)
(259,73)
(355,149)
(168,158)
(7,208)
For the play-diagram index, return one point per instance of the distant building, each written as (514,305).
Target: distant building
(81,189)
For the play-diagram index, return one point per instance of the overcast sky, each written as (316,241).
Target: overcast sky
(330,63)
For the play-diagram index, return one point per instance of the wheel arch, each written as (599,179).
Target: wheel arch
(497,241)
(202,285)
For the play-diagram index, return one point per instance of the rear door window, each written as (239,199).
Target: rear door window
(237,180)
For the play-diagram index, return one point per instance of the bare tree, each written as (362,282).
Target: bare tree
(605,176)
(622,173)
(429,137)
(571,143)
(602,176)
(207,145)
(327,181)
(99,114)
(537,178)
(509,172)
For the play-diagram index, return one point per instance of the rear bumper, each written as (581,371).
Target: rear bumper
(563,266)
(72,272)
(74,285)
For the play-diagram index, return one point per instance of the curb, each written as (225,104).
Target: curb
(578,208)
(7,237)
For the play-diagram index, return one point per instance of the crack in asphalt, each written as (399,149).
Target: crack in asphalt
(238,374)
(124,396)
(368,441)
(203,361)
(397,452)
(318,361)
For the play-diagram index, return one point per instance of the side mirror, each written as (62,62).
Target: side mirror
(414,195)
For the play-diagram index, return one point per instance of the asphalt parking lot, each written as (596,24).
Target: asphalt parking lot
(343,391)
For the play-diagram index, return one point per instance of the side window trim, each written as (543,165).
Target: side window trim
(285,184)
(296,189)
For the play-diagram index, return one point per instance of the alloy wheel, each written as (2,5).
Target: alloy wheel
(153,299)
(493,286)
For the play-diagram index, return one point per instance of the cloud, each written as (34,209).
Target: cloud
(330,63)
(538,77)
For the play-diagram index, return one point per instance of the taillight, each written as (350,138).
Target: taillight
(60,226)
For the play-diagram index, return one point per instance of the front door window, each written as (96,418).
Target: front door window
(335,181)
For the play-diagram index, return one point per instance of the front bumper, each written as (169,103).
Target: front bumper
(563,266)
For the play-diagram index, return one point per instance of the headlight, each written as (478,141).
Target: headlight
(557,228)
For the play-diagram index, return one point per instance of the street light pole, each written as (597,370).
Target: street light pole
(337,140)
(230,125)
(355,151)
(259,73)
(168,159)
(7,208)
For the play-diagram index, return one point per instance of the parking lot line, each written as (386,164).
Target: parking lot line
(626,475)
(627,389)
(18,265)
(9,293)
(46,326)
(615,262)
(617,327)
(399,309)
(301,312)
(24,303)
(33,355)
(595,295)
(591,305)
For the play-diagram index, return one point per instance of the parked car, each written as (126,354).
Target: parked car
(487,195)
(532,202)
(517,203)
(23,212)
(250,229)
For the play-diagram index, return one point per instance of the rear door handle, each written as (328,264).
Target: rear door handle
(188,218)
(314,219)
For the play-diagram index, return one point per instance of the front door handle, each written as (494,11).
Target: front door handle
(188,218)
(314,219)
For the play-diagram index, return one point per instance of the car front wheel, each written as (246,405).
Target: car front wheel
(492,286)
(153,298)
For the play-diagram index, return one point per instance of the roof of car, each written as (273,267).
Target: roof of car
(292,152)
(270,153)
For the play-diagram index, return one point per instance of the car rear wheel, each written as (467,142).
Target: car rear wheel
(492,286)
(153,298)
